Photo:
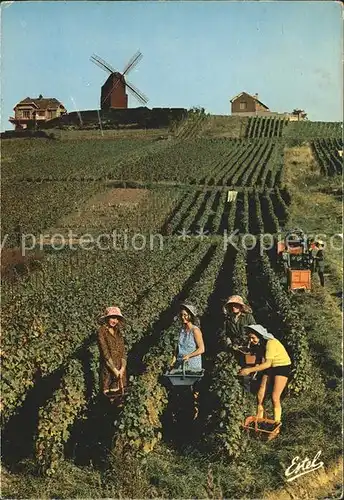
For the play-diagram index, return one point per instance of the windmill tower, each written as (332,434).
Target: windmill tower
(113,92)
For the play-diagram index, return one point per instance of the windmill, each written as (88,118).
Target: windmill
(113,92)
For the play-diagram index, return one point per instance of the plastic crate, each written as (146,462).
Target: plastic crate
(299,279)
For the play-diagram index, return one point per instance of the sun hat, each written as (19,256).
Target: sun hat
(261,331)
(192,309)
(111,311)
(237,299)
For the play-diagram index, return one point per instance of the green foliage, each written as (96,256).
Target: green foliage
(258,213)
(192,125)
(228,416)
(245,214)
(43,330)
(204,161)
(283,206)
(260,126)
(208,161)
(45,311)
(271,212)
(251,163)
(56,417)
(276,175)
(239,278)
(139,426)
(72,160)
(326,153)
(209,209)
(232,216)
(38,206)
(308,130)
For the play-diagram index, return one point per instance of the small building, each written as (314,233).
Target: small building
(245,104)
(30,112)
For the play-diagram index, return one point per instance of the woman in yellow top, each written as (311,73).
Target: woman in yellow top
(277,366)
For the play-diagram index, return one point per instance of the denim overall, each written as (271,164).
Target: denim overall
(187,345)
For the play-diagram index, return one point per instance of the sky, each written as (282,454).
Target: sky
(196,53)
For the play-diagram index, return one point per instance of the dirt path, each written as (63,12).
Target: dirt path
(105,207)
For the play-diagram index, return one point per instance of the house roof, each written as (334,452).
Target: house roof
(253,97)
(41,102)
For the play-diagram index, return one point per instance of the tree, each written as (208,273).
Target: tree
(300,113)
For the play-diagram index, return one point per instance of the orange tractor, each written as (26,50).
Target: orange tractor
(295,260)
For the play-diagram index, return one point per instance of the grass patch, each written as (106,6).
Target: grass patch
(323,322)
(311,209)
(318,213)
(232,127)
(325,483)
(69,482)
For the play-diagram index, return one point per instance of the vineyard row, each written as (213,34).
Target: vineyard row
(220,162)
(209,212)
(265,127)
(326,153)
(43,313)
(151,337)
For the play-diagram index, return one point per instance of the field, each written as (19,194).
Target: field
(266,127)
(327,154)
(168,200)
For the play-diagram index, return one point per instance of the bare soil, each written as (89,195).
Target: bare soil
(103,211)
(15,265)
(118,197)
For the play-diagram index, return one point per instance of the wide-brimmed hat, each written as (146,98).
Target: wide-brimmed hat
(189,307)
(261,331)
(111,311)
(237,299)
(320,242)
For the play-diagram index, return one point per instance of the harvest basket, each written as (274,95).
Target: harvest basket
(250,359)
(263,428)
(184,377)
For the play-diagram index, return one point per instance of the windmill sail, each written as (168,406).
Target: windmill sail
(133,62)
(119,84)
(139,95)
(102,64)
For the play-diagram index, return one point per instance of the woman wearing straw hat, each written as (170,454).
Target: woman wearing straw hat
(189,351)
(112,353)
(190,344)
(237,316)
(276,367)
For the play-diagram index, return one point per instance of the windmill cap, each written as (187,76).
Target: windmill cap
(261,331)
(111,311)
(192,309)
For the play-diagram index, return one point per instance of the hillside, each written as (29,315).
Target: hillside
(167,197)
